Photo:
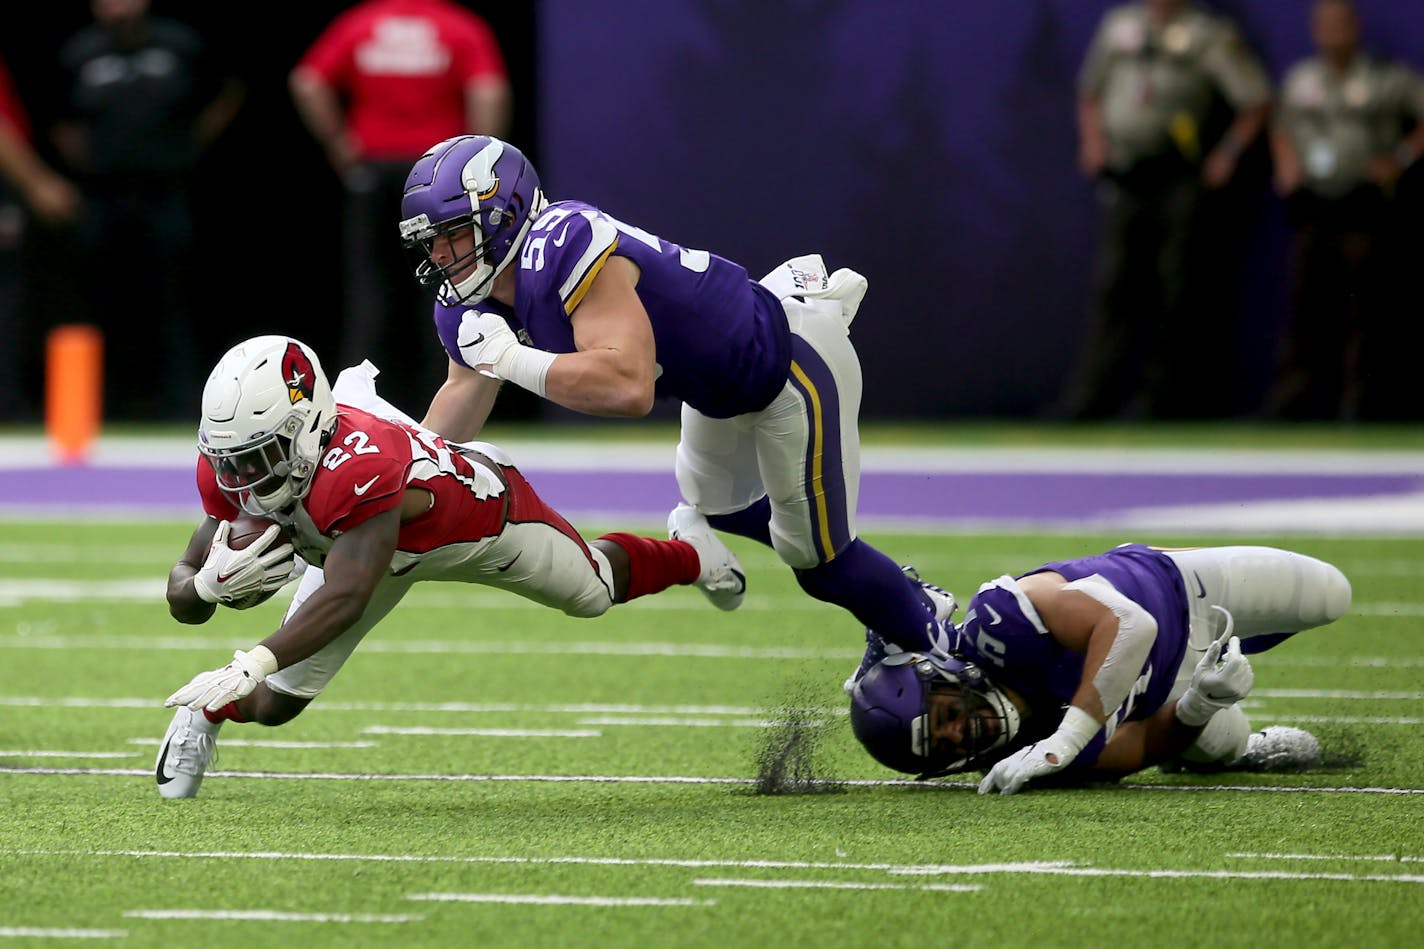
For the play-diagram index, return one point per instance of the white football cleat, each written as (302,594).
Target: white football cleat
(189,746)
(1280,748)
(722,580)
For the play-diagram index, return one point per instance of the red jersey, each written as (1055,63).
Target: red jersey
(402,66)
(367,466)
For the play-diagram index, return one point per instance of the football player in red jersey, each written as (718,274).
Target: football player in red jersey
(373,504)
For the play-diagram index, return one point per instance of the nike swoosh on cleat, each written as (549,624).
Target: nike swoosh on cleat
(361,489)
(742,577)
(162,778)
(1201,587)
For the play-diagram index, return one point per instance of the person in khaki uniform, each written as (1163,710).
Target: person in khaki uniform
(1339,146)
(1154,75)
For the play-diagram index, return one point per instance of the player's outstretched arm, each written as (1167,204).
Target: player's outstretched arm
(461,405)
(357,561)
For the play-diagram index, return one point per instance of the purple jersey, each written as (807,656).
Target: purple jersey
(723,344)
(1004,635)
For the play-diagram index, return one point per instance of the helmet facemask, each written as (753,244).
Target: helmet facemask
(262,477)
(469,276)
(931,715)
(987,720)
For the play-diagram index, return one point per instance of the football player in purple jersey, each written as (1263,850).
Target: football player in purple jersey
(1097,667)
(601,317)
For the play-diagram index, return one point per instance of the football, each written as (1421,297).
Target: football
(246,528)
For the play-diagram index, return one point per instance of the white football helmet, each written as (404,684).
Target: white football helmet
(267,414)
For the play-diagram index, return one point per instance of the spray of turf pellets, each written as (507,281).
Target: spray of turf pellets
(786,759)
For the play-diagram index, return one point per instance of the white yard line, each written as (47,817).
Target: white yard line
(676,650)
(40,932)
(676,779)
(444,647)
(260,743)
(693,863)
(667,720)
(45,753)
(485,732)
(271,916)
(545,899)
(64,590)
(577,708)
(1222,875)
(1262,716)
(1374,858)
(835,885)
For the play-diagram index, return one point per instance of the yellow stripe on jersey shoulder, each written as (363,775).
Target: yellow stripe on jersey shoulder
(603,241)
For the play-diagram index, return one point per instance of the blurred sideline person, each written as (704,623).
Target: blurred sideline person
(1097,667)
(1147,93)
(146,96)
(1339,147)
(30,192)
(601,317)
(375,504)
(382,81)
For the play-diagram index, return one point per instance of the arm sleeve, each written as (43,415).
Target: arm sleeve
(1136,632)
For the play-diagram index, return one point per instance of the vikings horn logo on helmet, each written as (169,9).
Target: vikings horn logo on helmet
(298,372)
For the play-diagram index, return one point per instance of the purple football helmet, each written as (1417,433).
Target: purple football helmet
(469,181)
(901,707)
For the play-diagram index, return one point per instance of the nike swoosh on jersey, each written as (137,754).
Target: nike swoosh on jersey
(361,489)
(163,778)
(997,619)
(563,235)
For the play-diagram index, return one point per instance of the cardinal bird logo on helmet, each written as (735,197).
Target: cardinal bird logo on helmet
(298,372)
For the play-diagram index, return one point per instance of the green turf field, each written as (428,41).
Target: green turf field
(486,772)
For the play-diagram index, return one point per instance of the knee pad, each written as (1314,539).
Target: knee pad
(1337,594)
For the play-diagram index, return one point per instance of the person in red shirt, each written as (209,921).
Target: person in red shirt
(377,86)
(374,504)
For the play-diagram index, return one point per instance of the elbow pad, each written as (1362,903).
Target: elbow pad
(1136,632)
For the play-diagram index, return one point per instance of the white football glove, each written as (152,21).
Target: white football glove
(212,690)
(487,343)
(238,578)
(1216,685)
(1012,773)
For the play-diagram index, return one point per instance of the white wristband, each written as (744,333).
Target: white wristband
(1078,728)
(264,659)
(526,367)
